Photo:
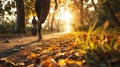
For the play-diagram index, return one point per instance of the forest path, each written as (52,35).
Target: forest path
(15,44)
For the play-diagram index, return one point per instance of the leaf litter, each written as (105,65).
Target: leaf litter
(77,49)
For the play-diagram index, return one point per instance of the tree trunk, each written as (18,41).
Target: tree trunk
(94,4)
(20,23)
(81,11)
(52,22)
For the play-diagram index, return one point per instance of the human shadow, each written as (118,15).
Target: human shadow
(15,49)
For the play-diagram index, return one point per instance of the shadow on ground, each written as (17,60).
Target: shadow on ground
(15,49)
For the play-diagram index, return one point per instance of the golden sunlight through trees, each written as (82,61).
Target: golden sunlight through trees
(61,19)
(66,17)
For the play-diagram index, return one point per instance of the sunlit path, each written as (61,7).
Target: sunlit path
(27,40)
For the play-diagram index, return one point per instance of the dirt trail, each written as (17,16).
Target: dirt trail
(15,44)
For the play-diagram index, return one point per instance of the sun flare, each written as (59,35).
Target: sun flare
(66,17)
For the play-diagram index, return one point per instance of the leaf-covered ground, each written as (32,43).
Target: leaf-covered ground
(77,49)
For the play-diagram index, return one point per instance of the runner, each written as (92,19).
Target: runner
(42,8)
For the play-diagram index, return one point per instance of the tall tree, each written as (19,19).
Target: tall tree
(20,23)
(29,9)
(81,12)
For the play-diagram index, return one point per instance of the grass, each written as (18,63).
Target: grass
(100,49)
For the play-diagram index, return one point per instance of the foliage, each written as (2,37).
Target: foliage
(108,13)
(99,13)
(29,8)
(7,28)
(79,49)
(6,9)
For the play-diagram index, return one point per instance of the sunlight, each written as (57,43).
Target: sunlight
(92,8)
(30,18)
(66,17)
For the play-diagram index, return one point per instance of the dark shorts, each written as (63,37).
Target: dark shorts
(42,9)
